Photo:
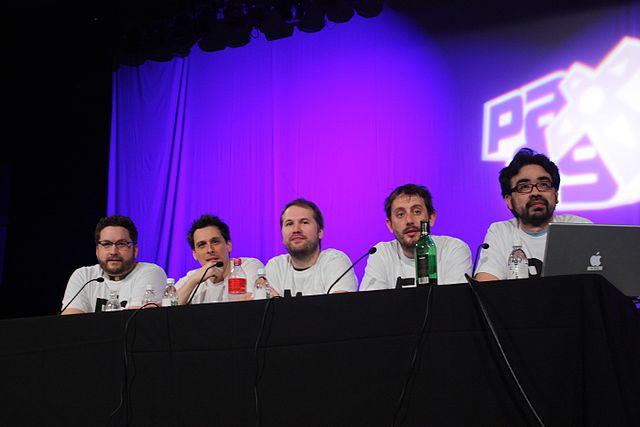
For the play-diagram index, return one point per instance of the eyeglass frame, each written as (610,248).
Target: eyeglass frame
(530,186)
(120,244)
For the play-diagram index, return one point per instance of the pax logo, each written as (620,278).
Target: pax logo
(596,264)
(586,119)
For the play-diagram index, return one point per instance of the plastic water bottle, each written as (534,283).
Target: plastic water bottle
(237,281)
(262,288)
(170,296)
(113,303)
(518,263)
(149,295)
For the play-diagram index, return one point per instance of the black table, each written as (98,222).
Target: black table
(573,343)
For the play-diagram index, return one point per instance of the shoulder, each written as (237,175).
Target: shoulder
(277,261)
(507,225)
(332,254)
(89,272)
(571,219)
(251,261)
(449,242)
(149,267)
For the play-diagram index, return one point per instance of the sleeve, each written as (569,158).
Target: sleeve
(74,284)
(492,259)
(150,274)
(374,273)
(456,262)
(336,265)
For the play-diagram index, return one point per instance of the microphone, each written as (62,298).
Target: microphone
(369,252)
(218,264)
(475,260)
(97,279)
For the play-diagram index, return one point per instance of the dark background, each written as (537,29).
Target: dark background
(54,160)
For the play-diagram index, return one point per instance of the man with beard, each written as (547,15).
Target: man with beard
(116,239)
(530,187)
(305,269)
(405,208)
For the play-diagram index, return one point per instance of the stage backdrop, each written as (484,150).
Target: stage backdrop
(345,115)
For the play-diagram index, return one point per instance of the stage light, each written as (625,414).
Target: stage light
(237,26)
(183,35)
(339,11)
(208,29)
(272,23)
(369,8)
(310,17)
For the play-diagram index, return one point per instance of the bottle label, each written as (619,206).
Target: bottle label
(422,270)
(237,285)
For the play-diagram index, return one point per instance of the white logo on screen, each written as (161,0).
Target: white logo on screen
(595,261)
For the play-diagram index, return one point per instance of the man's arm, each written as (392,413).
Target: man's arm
(72,311)
(81,302)
(186,288)
(374,273)
(337,265)
(149,274)
(485,277)
(455,262)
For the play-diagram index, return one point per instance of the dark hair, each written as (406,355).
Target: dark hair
(317,215)
(524,157)
(410,190)
(207,220)
(117,221)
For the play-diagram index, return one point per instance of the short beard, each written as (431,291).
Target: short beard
(537,219)
(127,266)
(305,252)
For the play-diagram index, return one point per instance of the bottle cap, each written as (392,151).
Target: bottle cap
(237,261)
(149,287)
(261,271)
(171,281)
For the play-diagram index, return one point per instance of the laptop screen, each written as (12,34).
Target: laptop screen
(610,250)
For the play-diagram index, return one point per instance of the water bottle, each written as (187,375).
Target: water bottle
(237,281)
(518,263)
(262,288)
(149,295)
(170,296)
(113,303)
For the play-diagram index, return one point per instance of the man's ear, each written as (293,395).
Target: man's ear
(509,201)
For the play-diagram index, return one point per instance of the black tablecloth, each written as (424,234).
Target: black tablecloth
(573,343)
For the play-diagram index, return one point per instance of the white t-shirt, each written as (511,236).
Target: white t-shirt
(453,260)
(219,292)
(314,280)
(130,289)
(501,237)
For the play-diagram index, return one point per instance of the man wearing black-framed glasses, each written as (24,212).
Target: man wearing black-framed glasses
(116,239)
(529,186)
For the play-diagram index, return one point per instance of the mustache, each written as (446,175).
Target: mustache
(537,200)
(410,229)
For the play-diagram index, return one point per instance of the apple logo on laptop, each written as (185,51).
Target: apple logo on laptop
(595,262)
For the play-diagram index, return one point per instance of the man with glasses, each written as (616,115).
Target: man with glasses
(529,187)
(116,239)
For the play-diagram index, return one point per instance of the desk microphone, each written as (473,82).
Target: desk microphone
(475,260)
(369,252)
(218,264)
(97,279)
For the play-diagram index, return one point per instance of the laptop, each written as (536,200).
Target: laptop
(610,250)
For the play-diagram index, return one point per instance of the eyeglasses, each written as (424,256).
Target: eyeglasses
(527,187)
(120,244)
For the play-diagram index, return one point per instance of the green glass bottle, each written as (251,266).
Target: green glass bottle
(424,255)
